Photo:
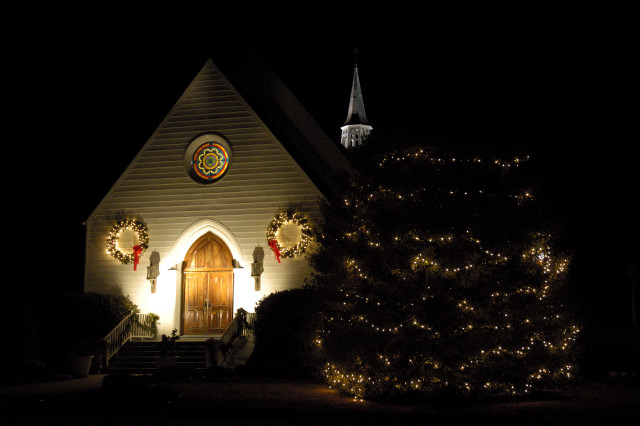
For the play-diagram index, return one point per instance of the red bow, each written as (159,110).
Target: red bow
(136,256)
(274,246)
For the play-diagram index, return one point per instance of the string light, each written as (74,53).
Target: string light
(492,292)
(139,227)
(290,216)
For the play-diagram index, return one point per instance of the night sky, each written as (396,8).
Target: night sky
(81,95)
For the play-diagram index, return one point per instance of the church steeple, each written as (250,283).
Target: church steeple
(356,128)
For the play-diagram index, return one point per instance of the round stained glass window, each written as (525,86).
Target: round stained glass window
(210,161)
(207,158)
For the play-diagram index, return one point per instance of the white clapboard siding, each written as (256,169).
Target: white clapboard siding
(262,178)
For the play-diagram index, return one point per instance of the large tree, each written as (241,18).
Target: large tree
(444,276)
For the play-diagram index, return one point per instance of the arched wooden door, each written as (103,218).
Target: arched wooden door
(207,287)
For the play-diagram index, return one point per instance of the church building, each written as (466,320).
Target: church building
(218,208)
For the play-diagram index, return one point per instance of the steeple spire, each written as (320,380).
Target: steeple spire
(356,128)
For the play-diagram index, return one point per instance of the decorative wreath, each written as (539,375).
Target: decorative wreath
(289,216)
(140,228)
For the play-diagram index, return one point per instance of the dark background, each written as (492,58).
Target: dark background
(82,94)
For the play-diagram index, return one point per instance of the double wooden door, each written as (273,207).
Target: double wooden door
(208,287)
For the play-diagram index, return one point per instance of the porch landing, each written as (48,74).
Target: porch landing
(185,338)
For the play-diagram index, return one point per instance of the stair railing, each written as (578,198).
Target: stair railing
(133,325)
(251,322)
(143,326)
(112,342)
(242,325)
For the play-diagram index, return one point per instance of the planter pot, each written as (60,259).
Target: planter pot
(166,361)
(80,365)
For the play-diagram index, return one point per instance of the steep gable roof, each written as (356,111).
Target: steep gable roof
(211,102)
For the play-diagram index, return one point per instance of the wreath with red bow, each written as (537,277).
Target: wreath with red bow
(289,216)
(140,228)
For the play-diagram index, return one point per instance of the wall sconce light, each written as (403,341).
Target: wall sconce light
(153,270)
(256,271)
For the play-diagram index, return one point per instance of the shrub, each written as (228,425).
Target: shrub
(65,319)
(284,328)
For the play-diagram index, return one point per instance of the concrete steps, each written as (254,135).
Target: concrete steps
(140,357)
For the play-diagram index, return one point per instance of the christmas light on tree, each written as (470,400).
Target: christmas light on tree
(445,279)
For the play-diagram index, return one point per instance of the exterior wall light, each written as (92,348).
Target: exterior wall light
(153,270)
(256,271)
